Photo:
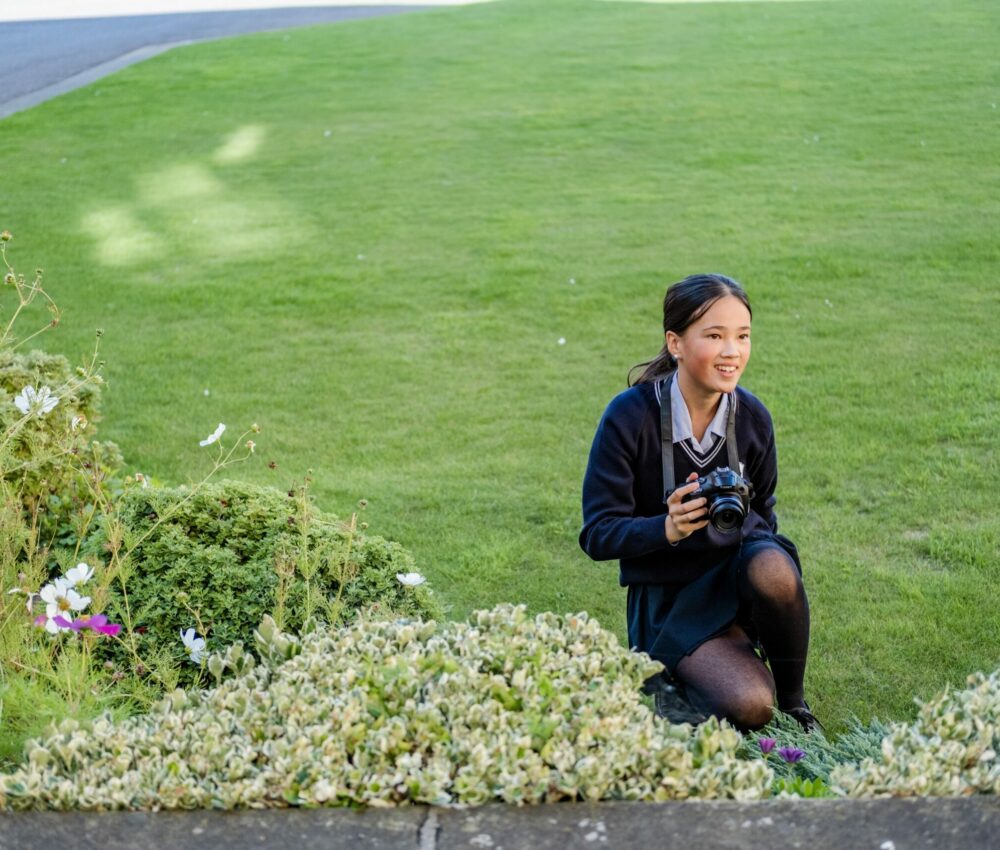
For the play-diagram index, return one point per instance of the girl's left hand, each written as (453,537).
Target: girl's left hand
(685,518)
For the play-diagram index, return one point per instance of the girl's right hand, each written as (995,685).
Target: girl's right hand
(685,518)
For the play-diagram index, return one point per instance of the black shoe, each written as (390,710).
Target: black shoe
(670,703)
(805,718)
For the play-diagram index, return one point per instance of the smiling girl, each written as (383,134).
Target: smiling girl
(715,607)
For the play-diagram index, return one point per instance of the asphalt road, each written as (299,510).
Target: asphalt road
(43,59)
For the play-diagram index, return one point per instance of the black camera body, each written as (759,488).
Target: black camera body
(727,496)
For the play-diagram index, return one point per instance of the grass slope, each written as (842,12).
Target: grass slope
(370,237)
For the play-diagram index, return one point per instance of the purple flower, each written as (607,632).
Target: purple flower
(792,754)
(767,744)
(98,623)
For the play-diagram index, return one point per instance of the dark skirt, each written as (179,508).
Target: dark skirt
(669,622)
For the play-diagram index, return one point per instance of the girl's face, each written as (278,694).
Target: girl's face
(713,351)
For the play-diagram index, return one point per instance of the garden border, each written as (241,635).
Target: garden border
(886,824)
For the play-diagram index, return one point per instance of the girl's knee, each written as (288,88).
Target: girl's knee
(773,575)
(747,710)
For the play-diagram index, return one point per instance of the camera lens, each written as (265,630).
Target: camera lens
(726,514)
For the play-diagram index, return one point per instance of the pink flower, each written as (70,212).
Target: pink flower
(792,754)
(767,744)
(97,623)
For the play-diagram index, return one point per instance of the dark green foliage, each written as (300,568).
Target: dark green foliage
(232,552)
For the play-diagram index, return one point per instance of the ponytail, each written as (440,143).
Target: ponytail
(659,367)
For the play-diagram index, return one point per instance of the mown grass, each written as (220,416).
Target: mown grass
(370,237)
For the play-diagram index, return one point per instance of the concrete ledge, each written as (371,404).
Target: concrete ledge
(972,822)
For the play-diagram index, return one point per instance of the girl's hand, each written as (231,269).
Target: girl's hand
(684,518)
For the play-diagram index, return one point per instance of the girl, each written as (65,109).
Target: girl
(702,601)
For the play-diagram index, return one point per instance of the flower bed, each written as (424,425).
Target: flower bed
(504,707)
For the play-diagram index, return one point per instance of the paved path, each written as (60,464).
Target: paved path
(40,59)
(912,824)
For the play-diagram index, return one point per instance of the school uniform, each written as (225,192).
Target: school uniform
(679,595)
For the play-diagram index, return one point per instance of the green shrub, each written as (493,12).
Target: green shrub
(51,463)
(503,707)
(949,750)
(221,558)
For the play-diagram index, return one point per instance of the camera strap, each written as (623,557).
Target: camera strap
(667,435)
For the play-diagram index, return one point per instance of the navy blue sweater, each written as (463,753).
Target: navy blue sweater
(623,509)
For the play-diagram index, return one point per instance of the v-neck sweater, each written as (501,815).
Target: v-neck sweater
(623,510)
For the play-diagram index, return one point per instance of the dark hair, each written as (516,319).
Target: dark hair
(685,302)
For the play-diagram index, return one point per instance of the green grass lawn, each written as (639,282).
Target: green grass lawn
(370,237)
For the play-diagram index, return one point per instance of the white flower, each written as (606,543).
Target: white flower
(410,579)
(142,479)
(562,340)
(60,599)
(214,436)
(251,445)
(194,645)
(80,574)
(78,422)
(30,601)
(39,401)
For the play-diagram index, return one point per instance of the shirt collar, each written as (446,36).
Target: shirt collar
(682,420)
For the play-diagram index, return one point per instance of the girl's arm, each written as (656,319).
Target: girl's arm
(762,470)
(610,528)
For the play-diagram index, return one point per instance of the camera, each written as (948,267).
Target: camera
(728,498)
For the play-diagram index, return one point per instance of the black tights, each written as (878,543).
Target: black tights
(725,676)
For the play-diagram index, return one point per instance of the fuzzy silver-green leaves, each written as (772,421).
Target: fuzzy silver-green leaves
(503,707)
(950,750)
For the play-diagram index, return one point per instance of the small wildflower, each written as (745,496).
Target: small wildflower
(791,754)
(214,436)
(30,597)
(194,645)
(251,445)
(80,574)
(9,279)
(142,479)
(39,401)
(767,744)
(60,598)
(255,428)
(362,503)
(6,236)
(410,579)
(96,623)
(78,422)
(562,340)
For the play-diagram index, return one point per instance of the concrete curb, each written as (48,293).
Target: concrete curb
(889,824)
(85,78)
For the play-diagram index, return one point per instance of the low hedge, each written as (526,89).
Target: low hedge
(503,707)
(950,750)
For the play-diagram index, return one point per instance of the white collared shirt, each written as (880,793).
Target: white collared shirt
(682,421)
